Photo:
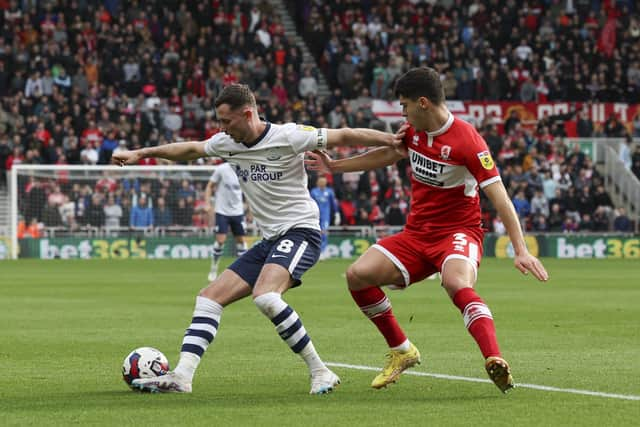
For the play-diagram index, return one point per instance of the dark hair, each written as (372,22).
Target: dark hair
(237,96)
(417,82)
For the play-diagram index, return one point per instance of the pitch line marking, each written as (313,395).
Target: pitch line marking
(480,380)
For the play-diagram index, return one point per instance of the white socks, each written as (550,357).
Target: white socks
(290,328)
(404,347)
(201,332)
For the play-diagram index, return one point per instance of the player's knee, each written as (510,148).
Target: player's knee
(268,303)
(205,292)
(256,293)
(453,284)
(357,276)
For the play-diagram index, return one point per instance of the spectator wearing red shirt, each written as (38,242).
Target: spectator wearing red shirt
(196,84)
(92,133)
(397,191)
(15,158)
(229,77)
(376,215)
(106,184)
(275,27)
(280,93)
(280,55)
(348,211)
(89,37)
(237,19)
(48,24)
(140,22)
(103,15)
(420,18)
(42,135)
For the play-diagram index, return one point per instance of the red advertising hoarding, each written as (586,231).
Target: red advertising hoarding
(529,112)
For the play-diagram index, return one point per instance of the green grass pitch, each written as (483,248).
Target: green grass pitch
(67,325)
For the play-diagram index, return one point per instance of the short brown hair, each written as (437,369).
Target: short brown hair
(422,81)
(236,95)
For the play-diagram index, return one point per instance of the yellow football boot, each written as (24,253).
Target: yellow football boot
(396,363)
(499,372)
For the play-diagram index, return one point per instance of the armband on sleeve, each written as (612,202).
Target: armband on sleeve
(322,138)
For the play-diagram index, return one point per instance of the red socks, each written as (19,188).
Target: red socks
(374,304)
(478,321)
(477,317)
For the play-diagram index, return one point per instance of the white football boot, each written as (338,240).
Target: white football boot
(324,382)
(169,383)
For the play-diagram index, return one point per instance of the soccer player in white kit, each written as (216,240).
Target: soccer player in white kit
(229,212)
(269,162)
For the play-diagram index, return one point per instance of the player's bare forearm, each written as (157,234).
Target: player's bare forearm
(373,159)
(524,261)
(179,151)
(500,200)
(358,136)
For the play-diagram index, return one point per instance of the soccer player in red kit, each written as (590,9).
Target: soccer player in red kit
(449,161)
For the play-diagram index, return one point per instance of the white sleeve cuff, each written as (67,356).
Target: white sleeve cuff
(490,181)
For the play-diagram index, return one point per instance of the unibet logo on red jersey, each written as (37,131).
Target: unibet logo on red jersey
(427,170)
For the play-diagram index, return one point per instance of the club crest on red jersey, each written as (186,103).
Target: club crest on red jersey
(416,139)
(486,160)
(445,152)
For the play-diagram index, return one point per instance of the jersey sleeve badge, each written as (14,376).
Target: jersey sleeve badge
(486,160)
(306,128)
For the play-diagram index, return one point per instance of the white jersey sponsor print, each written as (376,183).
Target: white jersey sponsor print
(272,175)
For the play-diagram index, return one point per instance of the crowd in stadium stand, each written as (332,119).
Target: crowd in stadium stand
(485,50)
(81,79)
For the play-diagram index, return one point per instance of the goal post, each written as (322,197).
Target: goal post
(78,211)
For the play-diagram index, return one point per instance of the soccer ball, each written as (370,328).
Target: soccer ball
(144,362)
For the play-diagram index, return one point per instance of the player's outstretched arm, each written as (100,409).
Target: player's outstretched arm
(179,151)
(373,159)
(362,137)
(524,261)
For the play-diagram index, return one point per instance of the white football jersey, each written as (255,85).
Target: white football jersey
(228,193)
(272,175)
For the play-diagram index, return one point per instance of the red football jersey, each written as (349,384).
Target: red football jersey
(447,167)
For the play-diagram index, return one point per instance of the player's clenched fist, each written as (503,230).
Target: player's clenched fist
(122,158)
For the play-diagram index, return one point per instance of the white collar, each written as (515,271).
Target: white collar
(444,128)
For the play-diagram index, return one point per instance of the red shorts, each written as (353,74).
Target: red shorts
(418,257)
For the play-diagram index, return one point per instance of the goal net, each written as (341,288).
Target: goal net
(76,211)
